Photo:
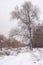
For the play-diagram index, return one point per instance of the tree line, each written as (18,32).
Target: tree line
(11,42)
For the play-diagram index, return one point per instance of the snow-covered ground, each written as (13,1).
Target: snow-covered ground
(25,57)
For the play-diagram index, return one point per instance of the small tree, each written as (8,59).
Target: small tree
(27,15)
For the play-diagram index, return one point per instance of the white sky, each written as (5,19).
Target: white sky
(6,6)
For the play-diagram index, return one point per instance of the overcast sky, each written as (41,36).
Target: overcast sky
(6,6)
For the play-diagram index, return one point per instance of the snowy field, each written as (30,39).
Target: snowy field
(23,56)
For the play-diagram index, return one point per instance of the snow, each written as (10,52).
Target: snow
(34,57)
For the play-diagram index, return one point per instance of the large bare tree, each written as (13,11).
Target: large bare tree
(27,15)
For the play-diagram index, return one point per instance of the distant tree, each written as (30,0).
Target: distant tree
(3,40)
(38,36)
(27,15)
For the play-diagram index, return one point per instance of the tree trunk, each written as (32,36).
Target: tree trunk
(30,44)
